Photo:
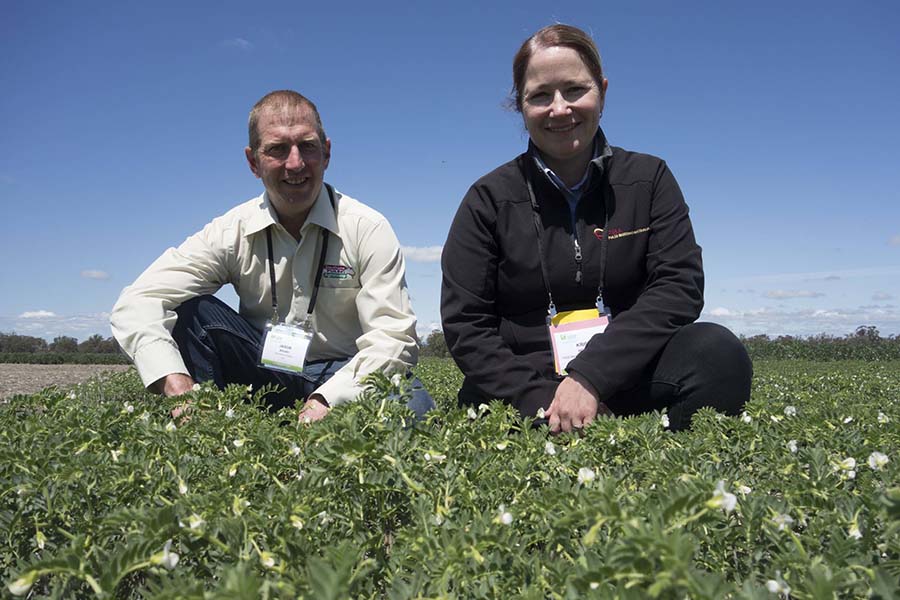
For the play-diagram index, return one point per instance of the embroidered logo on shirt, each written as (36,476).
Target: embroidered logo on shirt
(337,272)
(618,233)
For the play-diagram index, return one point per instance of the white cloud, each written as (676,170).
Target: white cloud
(879,296)
(806,321)
(48,325)
(787,294)
(790,278)
(94,274)
(37,314)
(424,329)
(425,254)
(239,43)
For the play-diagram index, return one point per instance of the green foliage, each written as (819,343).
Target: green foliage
(102,495)
(63,349)
(864,344)
(63,344)
(435,346)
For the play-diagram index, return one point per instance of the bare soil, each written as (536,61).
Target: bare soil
(29,379)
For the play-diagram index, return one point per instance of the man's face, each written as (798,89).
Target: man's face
(291,161)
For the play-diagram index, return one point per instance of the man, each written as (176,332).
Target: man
(320,277)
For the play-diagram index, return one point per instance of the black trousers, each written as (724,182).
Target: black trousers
(703,364)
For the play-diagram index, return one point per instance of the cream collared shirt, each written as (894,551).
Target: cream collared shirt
(362,310)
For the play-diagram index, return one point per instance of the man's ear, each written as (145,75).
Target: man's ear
(251,160)
(326,151)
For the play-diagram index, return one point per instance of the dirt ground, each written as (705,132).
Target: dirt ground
(28,379)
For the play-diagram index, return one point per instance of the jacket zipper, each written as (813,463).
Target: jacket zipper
(577,260)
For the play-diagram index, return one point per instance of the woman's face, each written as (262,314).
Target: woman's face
(561,104)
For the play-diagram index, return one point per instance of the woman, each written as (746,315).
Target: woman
(570,225)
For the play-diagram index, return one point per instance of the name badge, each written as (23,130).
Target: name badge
(284,348)
(570,331)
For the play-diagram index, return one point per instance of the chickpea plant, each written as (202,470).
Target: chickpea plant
(103,495)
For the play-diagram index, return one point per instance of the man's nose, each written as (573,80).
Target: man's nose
(294,160)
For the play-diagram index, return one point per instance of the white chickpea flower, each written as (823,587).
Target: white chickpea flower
(182,487)
(40,539)
(170,426)
(502,445)
(853,531)
(267,559)
(783,521)
(746,418)
(792,446)
(20,586)
(586,475)
(250,388)
(722,499)
(72,395)
(115,455)
(232,471)
(504,516)
(195,387)
(883,418)
(229,413)
(541,413)
(877,461)
(665,421)
(471,413)
(295,449)
(790,411)
(744,490)
(848,420)
(549,448)
(778,586)
(169,559)
(396,380)
(129,408)
(196,522)
(296,522)
(238,443)
(483,407)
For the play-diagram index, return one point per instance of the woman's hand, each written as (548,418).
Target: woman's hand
(575,405)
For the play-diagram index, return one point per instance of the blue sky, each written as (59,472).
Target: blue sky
(124,125)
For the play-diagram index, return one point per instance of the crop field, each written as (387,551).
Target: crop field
(102,495)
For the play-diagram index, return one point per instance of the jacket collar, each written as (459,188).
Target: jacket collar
(321,214)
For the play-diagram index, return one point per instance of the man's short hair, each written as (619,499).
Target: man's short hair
(281,101)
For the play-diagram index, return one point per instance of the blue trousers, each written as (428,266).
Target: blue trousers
(219,345)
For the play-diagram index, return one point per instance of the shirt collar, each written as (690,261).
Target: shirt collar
(321,214)
(601,152)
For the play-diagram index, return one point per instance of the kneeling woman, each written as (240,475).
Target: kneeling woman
(571,277)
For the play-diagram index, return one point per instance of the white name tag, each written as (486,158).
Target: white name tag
(284,348)
(570,332)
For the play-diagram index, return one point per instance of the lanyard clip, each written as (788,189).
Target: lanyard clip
(601,308)
(551,310)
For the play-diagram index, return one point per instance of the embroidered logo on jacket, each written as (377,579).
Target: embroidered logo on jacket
(337,272)
(618,233)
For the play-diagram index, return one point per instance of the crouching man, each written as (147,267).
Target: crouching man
(320,277)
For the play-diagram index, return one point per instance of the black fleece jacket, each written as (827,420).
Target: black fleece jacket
(493,298)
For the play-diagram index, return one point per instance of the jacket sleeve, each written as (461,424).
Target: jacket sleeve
(470,316)
(388,342)
(144,315)
(672,297)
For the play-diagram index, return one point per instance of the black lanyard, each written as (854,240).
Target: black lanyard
(538,229)
(315,293)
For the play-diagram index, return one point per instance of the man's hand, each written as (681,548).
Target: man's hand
(575,405)
(175,384)
(315,409)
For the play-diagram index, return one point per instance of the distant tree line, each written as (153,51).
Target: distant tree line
(15,348)
(865,343)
